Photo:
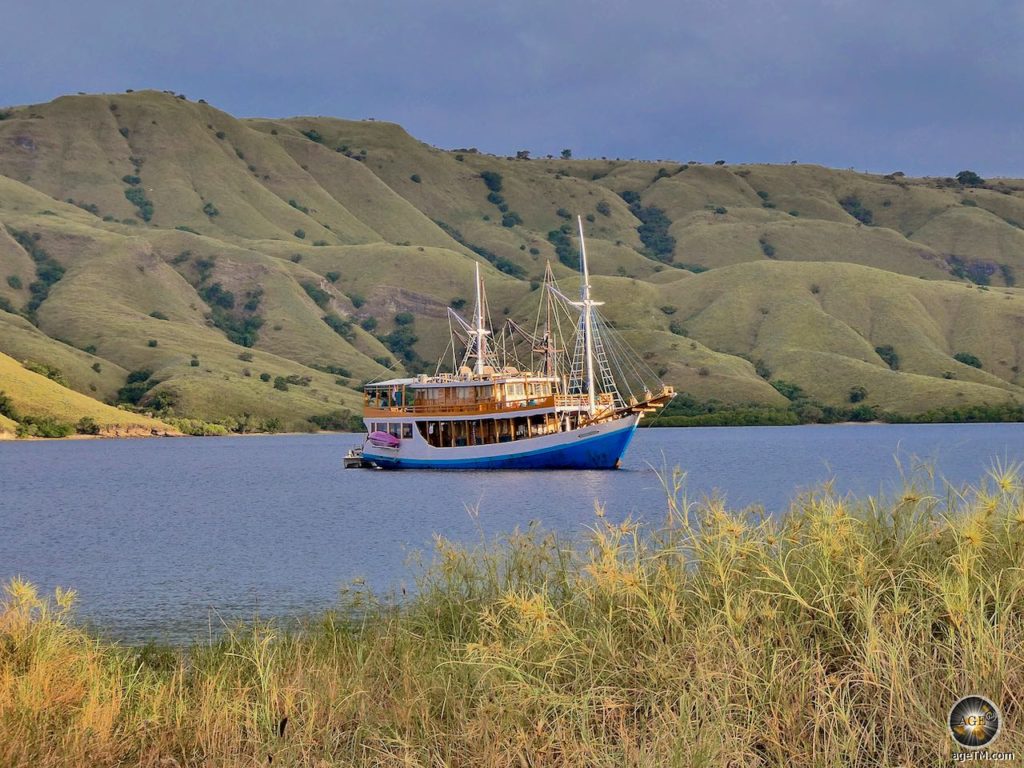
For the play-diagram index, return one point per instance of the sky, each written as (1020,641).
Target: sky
(928,87)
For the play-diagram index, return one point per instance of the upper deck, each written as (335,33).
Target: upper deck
(468,394)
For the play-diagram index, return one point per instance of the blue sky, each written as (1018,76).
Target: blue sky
(929,88)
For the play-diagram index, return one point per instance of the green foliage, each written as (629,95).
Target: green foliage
(300,233)
(243,331)
(313,135)
(264,377)
(405,318)
(967,359)
(400,342)
(253,299)
(138,198)
(604,208)
(564,248)
(977,271)
(415,178)
(889,356)
(319,296)
(357,299)
(766,248)
(333,276)
(14,281)
(48,270)
(337,421)
(131,180)
(337,370)
(853,206)
(7,407)
(43,426)
(210,210)
(857,394)
(297,206)
(969,179)
(368,323)
(500,262)
(87,426)
(158,315)
(492,179)
(152,343)
(216,296)
(49,371)
(136,385)
(653,229)
(511,219)
(669,309)
(678,328)
(245,357)
(761,369)
(341,327)
(280,383)
(789,390)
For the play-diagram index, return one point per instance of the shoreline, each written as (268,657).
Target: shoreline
(7,437)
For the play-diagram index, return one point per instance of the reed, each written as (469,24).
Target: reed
(838,634)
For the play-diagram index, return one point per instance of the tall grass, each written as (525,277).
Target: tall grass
(839,634)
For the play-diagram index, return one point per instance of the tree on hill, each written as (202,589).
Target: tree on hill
(969,179)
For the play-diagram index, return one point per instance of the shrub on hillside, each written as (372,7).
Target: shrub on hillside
(853,206)
(51,372)
(967,359)
(492,179)
(889,356)
(321,297)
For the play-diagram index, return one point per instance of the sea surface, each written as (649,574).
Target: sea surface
(169,539)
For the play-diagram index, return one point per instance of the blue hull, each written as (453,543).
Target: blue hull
(599,452)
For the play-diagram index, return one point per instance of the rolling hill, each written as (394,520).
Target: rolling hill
(163,255)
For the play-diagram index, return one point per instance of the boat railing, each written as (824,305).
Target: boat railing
(450,409)
(582,401)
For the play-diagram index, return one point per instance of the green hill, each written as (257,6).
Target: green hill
(253,269)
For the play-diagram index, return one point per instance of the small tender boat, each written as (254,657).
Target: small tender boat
(571,414)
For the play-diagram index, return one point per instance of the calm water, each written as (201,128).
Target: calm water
(166,538)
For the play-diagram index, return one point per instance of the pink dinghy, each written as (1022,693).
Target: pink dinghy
(384,440)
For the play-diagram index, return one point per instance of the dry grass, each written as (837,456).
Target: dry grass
(838,634)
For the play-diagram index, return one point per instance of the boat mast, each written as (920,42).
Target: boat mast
(480,331)
(588,307)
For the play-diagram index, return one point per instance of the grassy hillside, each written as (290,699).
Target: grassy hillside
(35,403)
(253,269)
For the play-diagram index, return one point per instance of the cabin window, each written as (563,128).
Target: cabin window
(407,431)
(395,430)
(486,393)
(466,393)
(515,390)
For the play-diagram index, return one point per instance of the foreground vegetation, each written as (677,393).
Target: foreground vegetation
(836,635)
